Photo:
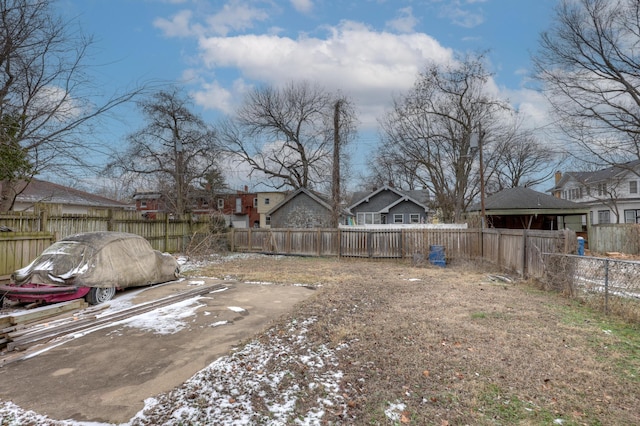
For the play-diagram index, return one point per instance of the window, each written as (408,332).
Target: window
(398,218)
(143,204)
(267,220)
(238,205)
(220,203)
(603,216)
(602,189)
(633,187)
(267,201)
(632,216)
(255,202)
(368,219)
(415,218)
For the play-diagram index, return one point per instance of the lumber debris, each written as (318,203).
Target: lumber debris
(26,338)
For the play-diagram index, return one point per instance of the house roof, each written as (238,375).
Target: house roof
(321,199)
(602,175)
(415,196)
(522,198)
(40,191)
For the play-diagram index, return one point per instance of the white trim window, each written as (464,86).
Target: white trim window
(398,218)
(220,203)
(633,187)
(632,216)
(414,218)
(603,217)
(366,218)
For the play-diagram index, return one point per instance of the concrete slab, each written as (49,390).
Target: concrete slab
(105,376)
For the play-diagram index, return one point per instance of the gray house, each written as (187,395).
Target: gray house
(388,205)
(302,208)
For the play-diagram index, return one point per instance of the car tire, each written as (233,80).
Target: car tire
(100,295)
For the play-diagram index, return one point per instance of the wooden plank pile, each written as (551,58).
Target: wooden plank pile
(25,333)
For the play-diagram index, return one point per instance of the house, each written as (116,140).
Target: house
(239,208)
(612,195)
(303,208)
(524,208)
(267,201)
(388,205)
(149,203)
(62,199)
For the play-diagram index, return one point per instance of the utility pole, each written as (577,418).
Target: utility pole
(482,211)
(180,202)
(335,175)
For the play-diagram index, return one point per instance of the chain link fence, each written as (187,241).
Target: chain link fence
(609,285)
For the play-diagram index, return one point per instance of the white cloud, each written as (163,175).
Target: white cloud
(303,6)
(236,15)
(177,26)
(365,64)
(405,22)
(213,96)
(459,13)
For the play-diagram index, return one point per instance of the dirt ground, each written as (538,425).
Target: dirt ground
(459,346)
(452,346)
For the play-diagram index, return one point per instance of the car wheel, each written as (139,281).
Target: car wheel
(100,295)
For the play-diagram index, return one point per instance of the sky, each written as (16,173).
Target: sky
(369,50)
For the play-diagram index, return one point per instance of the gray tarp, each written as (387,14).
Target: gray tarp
(99,259)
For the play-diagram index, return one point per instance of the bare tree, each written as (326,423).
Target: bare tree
(45,94)
(518,158)
(176,149)
(388,167)
(431,127)
(589,62)
(287,134)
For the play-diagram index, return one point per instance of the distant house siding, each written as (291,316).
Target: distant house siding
(407,209)
(301,212)
(376,203)
(267,201)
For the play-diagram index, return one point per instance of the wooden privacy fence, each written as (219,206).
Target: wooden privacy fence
(515,250)
(19,249)
(33,232)
(164,232)
(620,237)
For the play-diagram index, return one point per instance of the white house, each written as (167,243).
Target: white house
(612,194)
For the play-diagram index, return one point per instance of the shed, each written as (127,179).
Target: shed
(524,208)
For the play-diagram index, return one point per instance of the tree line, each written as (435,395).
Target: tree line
(297,135)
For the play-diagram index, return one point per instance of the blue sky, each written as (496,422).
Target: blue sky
(370,50)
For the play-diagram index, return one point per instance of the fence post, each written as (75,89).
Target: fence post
(110,220)
(43,220)
(524,253)
(606,286)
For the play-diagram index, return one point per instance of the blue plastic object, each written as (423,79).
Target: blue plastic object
(437,255)
(580,246)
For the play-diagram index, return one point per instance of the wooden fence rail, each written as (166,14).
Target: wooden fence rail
(34,231)
(516,250)
(512,249)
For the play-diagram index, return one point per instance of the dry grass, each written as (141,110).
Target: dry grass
(456,347)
